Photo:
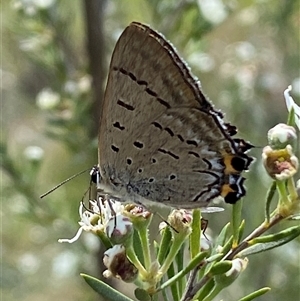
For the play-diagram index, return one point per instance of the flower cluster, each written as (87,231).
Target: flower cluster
(280,161)
(130,257)
(105,218)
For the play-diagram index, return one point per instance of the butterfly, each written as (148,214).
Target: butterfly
(160,139)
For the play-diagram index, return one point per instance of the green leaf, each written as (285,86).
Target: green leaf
(236,221)
(174,285)
(196,233)
(142,295)
(227,247)
(264,243)
(137,246)
(255,294)
(220,267)
(104,239)
(180,266)
(291,117)
(193,263)
(206,289)
(220,241)
(104,290)
(241,229)
(216,257)
(164,245)
(141,226)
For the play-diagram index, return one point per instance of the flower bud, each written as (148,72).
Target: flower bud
(118,264)
(181,220)
(281,135)
(238,266)
(139,216)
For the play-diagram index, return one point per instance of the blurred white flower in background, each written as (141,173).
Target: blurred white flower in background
(30,7)
(28,263)
(82,85)
(34,153)
(85,83)
(47,99)
(203,61)
(42,4)
(245,51)
(65,264)
(71,87)
(296,86)
(213,10)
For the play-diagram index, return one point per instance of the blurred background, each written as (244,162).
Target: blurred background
(55,57)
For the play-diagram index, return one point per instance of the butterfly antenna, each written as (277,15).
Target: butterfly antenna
(63,182)
(161,217)
(165,221)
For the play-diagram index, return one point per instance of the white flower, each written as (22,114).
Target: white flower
(290,103)
(96,218)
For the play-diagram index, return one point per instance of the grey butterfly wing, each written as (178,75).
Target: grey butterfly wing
(159,138)
(173,162)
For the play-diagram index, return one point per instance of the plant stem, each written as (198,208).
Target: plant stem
(257,232)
